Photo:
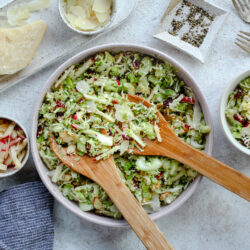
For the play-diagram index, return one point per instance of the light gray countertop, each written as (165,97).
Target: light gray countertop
(212,218)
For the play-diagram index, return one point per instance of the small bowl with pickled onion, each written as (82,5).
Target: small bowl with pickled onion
(14,146)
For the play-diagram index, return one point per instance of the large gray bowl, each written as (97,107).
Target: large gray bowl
(42,169)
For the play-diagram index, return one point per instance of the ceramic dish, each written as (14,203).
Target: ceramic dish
(42,169)
(224,99)
(12,171)
(201,52)
(62,7)
(59,41)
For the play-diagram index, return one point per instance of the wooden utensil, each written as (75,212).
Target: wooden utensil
(105,173)
(172,146)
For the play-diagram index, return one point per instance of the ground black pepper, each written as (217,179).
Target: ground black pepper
(198,21)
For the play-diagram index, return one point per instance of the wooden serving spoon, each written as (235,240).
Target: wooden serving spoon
(105,173)
(172,146)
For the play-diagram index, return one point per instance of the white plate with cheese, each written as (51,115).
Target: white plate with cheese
(59,41)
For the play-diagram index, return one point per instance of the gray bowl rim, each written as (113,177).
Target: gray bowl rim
(10,173)
(87,33)
(223,102)
(42,169)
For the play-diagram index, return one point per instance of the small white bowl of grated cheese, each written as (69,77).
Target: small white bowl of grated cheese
(14,146)
(87,17)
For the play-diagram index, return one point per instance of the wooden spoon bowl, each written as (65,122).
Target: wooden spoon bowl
(105,173)
(172,146)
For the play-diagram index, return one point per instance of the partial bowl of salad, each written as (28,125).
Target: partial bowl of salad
(84,104)
(235,112)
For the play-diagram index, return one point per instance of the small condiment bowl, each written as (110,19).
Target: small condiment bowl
(223,103)
(12,171)
(62,11)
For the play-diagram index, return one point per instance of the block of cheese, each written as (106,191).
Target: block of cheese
(19,45)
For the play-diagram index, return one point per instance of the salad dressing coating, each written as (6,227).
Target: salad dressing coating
(88,112)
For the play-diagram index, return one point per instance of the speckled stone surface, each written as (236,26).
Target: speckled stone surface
(212,218)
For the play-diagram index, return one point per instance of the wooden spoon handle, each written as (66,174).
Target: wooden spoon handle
(131,210)
(213,169)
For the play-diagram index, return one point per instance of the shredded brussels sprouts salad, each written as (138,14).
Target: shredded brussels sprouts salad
(238,112)
(87,111)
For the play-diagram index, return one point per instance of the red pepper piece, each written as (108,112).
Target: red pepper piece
(187,126)
(3,150)
(247,125)
(15,141)
(73,126)
(188,100)
(239,118)
(59,104)
(95,79)
(94,159)
(75,117)
(115,102)
(159,175)
(6,137)
(118,82)
(80,100)
(2,141)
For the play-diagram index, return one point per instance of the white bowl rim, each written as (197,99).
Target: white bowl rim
(101,220)
(223,102)
(93,32)
(10,173)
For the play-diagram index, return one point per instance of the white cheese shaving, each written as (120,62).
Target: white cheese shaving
(19,13)
(83,87)
(88,15)
(101,5)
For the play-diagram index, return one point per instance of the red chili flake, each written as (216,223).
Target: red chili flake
(136,64)
(167,102)
(94,159)
(20,129)
(75,117)
(187,127)
(92,59)
(247,125)
(58,114)
(40,129)
(6,137)
(88,146)
(73,126)
(239,118)
(159,175)
(188,100)
(3,150)
(238,94)
(118,82)
(136,181)
(14,142)
(2,141)
(80,100)
(95,79)
(115,102)
(59,104)
(21,137)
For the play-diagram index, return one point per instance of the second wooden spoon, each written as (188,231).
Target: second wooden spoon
(105,173)
(172,146)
